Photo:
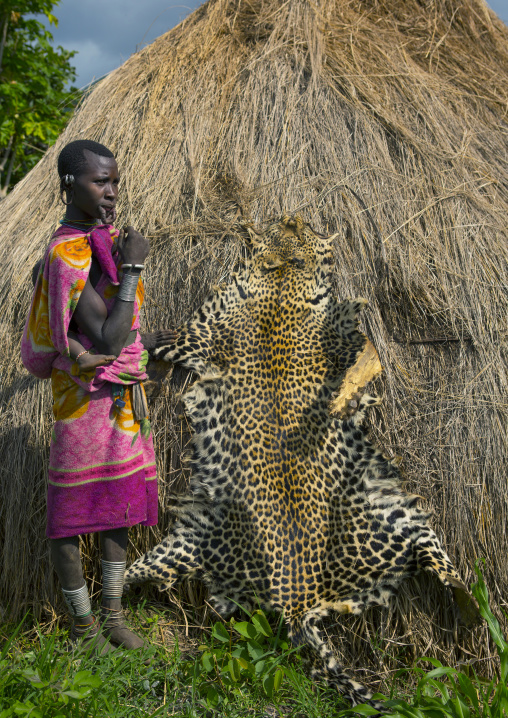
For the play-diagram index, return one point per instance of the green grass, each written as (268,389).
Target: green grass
(445,692)
(245,668)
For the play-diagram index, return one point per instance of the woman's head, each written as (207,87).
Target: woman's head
(72,160)
(89,177)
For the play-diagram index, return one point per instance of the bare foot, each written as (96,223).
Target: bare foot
(87,362)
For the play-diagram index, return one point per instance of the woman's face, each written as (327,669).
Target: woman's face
(95,189)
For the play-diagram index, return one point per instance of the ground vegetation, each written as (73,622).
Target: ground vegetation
(381,120)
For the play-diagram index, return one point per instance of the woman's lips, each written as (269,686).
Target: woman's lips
(107,212)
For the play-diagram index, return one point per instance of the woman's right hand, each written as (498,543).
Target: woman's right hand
(133,247)
(161,338)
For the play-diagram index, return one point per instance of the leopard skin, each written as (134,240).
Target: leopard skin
(290,506)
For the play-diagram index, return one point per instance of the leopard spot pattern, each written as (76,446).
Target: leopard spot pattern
(289,506)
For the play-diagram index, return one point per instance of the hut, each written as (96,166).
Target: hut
(382,120)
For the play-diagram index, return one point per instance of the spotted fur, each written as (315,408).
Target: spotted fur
(289,506)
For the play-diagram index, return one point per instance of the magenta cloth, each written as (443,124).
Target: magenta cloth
(102,466)
(102,472)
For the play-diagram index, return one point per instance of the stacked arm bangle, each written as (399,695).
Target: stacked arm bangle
(128,287)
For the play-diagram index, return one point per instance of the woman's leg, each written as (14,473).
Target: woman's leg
(67,562)
(114,553)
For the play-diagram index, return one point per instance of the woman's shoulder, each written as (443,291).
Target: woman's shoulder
(72,250)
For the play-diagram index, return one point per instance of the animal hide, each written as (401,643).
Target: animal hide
(290,505)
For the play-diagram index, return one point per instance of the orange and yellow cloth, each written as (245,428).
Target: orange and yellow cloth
(102,471)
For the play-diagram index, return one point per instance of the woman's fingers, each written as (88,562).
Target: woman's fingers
(135,248)
(120,240)
(154,340)
(165,336)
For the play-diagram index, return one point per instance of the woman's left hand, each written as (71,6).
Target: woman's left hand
(161,338)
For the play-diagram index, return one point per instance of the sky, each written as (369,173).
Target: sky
(107,32)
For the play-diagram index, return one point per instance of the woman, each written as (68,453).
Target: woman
(102,473)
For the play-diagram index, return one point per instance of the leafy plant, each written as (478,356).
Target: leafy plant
(448,692)
(244,668)
(247,654)
(43,687)
(53,682)
(35,104)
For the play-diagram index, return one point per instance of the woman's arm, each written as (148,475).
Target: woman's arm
(110,333)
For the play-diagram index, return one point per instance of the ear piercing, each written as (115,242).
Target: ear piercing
(66,185)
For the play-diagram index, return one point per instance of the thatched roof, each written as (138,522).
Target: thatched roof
(383,120)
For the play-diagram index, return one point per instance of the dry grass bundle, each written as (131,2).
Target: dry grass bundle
(384,120)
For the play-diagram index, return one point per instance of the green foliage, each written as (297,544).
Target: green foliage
(53,682)
(446,692)
(47,680)
(245,668)
(247,655)
(35,104)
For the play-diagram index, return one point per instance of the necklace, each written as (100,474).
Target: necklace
(77,224)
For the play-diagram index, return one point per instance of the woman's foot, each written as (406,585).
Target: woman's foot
(86,636)
(115,628)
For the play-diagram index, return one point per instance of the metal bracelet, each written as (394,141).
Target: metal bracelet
(128,287)
(112,578)
(78,602)
(132,266)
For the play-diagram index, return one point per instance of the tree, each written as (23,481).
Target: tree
(35,104)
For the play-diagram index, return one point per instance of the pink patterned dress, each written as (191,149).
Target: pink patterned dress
(102,472)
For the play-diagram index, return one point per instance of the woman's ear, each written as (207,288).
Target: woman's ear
(67,188)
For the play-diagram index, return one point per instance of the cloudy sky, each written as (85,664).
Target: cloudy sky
(107,32)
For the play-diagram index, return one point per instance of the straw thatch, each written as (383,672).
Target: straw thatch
(383,120)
